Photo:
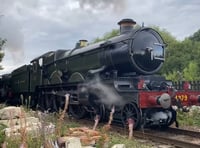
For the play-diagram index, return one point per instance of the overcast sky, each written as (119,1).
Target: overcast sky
(33,27)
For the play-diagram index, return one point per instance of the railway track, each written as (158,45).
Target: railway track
(175,137)
(184,132)
(171,136)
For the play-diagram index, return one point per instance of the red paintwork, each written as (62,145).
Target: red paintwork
(141,84)
(187,97)
(148,99)
(186,86)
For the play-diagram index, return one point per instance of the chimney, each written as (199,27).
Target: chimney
(81,43)
(126,25)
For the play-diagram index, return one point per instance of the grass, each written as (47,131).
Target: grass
(34,142)
(116,138)
(62,127)
(191,118)
(2,135)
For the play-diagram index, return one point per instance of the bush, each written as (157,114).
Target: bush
(191,118)
(2,134)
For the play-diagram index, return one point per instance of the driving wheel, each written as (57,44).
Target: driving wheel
(130,110)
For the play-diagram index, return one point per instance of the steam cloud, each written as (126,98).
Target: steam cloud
(106,94)
(115,5)
(11,31)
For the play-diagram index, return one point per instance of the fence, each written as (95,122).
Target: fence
(194,85)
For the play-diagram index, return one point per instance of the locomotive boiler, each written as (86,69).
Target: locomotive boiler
(119,72)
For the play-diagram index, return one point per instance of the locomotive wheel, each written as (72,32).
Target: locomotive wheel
(102,113)
(50,103)
(130,110)
(34,102)
(55,106)
(60,102)
(77,111)
(41,104)
(47,102)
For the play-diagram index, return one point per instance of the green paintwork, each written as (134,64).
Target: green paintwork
(20,79)
(55,77)
(76,77)
(35,75)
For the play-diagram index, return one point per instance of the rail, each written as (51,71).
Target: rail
(165,139)
(160,136)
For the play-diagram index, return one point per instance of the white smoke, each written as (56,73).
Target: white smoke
(105,93)
(10,30)
(92,5)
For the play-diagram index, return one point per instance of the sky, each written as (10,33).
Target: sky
(33,27)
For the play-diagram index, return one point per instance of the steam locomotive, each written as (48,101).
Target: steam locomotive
(119,72)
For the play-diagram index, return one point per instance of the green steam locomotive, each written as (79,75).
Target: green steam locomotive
(119,72)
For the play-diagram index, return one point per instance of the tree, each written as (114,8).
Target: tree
(107,36)
(174,76)
(191,72)
(195,36)
(182,60)
(171,53)
(2,42)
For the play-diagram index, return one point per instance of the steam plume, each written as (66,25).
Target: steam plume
(106,94)
(11,31)
(115,5)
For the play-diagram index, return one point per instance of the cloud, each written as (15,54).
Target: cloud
(178,17)
(100,5)
(37,26)
(10,30)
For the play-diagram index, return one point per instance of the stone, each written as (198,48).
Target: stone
(165,146)
(73,142)
(33,129)
(61,141)
(20,121)
(10,112)
(119,146)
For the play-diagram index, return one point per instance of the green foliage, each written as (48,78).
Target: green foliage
(107,36)
(13,142)
(186,59)
(167,37)
(189,119)
(172,65)
(2,42)
(191,72)
(182,58)
(32,142)
(195,36)
(174,76)
(118,138)
(2,134)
